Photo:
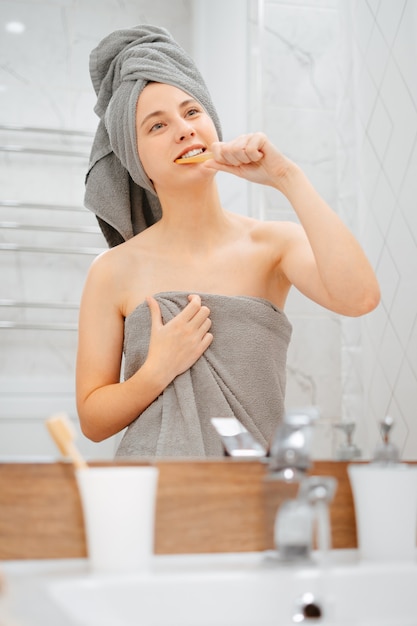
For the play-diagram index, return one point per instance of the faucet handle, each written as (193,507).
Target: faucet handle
(314,489)
(290,453)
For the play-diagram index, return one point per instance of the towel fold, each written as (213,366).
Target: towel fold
(241,374)
(118,190)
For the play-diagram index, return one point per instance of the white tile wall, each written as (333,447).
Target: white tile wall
(384,60)
(339,96)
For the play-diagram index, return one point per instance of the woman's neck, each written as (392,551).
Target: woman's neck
(195,216)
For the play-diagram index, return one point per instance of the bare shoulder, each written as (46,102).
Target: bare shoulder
(112,263)
(107,272)
(105,264)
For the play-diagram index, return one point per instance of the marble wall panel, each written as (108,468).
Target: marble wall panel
(300,86)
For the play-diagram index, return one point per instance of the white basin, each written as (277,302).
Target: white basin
(242,590)
(210,590)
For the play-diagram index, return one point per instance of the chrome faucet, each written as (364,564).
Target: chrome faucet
(290,453)
(303,522)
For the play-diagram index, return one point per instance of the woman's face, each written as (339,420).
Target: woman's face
(170,123)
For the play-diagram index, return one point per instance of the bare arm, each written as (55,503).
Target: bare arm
(106,405)
(321,258)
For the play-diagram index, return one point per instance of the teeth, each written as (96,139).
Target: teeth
(192,153)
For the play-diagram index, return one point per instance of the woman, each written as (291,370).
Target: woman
(196,299)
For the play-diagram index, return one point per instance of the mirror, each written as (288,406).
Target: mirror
(333,84)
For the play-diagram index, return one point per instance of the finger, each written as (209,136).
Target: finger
(215,149)
(193,306)
(242,156)
(237,149)
(201,319)
(254,147)
(222,153)
(236,152)
(246,147)
(206,341)
(233,155)
(199,326)
(243,150)
(194,297)
(205,326)
(156,316)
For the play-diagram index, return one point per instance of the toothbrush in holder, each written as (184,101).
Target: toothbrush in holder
(63,433)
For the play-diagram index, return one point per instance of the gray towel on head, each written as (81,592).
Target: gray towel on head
(241,374)
(118,190)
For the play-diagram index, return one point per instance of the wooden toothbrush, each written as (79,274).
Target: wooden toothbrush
(63,433)
(198,158)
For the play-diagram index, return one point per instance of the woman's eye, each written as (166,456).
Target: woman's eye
(193,112)
(157,126)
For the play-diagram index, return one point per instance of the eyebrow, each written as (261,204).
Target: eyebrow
(158,113)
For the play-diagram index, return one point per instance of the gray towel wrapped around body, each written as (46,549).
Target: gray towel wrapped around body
(118,190)
(241,374)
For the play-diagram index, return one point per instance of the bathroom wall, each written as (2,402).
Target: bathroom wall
(338,93)
(294,72)
(380,88)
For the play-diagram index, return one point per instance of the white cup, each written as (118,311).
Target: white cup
(119,516)
(385,499)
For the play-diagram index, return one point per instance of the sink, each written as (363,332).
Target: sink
(246,589)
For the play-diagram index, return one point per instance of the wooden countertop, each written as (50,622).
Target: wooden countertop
(202,507)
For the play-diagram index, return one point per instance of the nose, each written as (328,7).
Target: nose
(184,130)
